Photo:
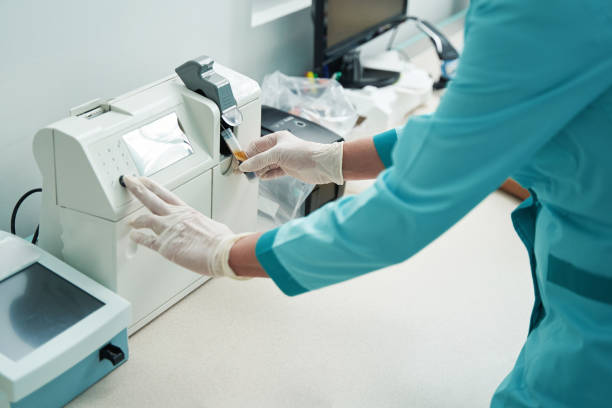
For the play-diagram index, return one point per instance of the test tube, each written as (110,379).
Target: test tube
(232,142)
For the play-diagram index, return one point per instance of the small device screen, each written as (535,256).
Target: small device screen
(158,144)
(348,18)
(35,306)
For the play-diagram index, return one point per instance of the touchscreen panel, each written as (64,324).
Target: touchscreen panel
(158,144)
(37,305)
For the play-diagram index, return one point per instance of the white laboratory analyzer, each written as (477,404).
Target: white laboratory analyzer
(171,131)
(60,331)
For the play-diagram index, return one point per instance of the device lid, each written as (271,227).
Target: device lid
(228,89)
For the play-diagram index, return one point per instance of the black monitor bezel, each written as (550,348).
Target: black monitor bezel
(325,55)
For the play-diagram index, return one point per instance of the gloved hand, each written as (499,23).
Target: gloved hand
(281,153)
(181,234)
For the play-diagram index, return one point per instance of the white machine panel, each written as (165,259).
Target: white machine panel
(145,281)
(163,131)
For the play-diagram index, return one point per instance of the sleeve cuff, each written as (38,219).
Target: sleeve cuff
(273,267)
(384,143)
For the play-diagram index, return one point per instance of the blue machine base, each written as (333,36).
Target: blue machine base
(64,388)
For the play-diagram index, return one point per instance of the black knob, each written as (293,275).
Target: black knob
(121,181)
(112,353)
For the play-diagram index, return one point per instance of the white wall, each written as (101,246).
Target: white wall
(58,54)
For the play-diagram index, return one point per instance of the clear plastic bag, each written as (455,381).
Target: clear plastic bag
(320,100)
(282,199)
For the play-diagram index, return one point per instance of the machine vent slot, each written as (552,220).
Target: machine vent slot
(93,113)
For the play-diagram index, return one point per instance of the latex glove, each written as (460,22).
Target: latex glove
(180,233)
(282,153)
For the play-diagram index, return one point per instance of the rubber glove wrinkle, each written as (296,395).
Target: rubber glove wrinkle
(180,233)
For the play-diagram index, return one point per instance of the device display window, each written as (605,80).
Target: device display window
(158,144)
(347,18)
(35,306)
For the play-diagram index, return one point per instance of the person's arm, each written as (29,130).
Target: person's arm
(282,153)
(366,158)
(361,160)
(242,258)
(509,99)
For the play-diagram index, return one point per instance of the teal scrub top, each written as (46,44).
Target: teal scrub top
(532,99)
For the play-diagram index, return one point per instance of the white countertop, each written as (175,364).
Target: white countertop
(439,330)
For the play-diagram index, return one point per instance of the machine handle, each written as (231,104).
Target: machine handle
(112,353)
(444,48)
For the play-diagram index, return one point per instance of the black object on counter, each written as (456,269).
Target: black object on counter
(112,353)
(274,120)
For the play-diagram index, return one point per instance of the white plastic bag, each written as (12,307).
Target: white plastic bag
(320,100)
(282,199)
(388,107)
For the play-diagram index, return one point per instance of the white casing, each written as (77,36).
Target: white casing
(20,378)
(85,212)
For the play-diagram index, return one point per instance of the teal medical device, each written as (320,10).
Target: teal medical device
(60,331)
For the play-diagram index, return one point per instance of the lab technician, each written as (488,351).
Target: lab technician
(532,99)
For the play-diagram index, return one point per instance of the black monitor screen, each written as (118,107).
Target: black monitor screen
(347,18)
(35,306)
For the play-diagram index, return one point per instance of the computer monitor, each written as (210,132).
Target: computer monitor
(341,26)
